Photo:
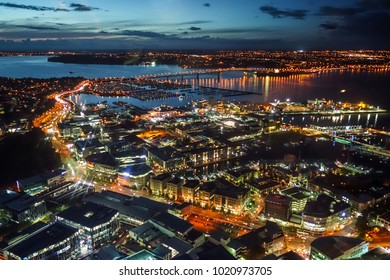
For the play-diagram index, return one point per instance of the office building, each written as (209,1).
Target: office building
(42,182)
(337,248)
(98,224)
(55,241)
(135,176)
(278,207)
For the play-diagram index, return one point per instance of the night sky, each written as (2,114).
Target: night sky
(191,24)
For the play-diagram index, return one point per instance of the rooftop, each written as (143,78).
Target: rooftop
(191,184)
(324,206)
(239,172)
(7,195)
(166,153)
(102,158)
(177,244)
(172,222)
(45,237)
(138,207)
(135,170)
(83,144)
(163,176)
(41,178)
(107,252)
(22,203)
(217,252)
(335,246)
(143,255)
(88,215)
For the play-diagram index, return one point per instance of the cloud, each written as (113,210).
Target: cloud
(365,30)
(81,8)
(32,7)
(278,13)
(328,25)
(369,4)
(75,7)
(37,27)
(368,25)
(339,12)
(195,22)
(206,5)
(193,28)
(140,33)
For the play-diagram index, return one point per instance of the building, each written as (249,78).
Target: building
(173,190)
(337,248)
(22,207)
(190,190)
(209,155)
(278,207)
(133,211)
(165,244)
(97,224)
(229,198)
(158,184)
(70,131)
(130,157)
(264,186)
(241,175)
(257,243)
(143,255)
(108,253)
(384,221)
(324,214)
(377,253)
(299,198)
(171,225)
(167,158)
(55,241)
(118,146)
(205,197)
(290,255)
(135,176)
(103,166)
(84,148)
(42,182)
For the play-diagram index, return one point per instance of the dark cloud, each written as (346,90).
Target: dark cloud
(366,30)
(185,33)
(139,33)
(206,5)
(278,13)
(328,25)
(37,27)
(193,28)
(195,22)
(81,8)
(32,7)
(370,4)
(368,25)
(339,12)
(75,7)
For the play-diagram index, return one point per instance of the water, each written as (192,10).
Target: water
(353,86)
(39,67)
(371,87)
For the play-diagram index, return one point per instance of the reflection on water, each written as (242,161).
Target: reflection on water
(380,121)
(353,86)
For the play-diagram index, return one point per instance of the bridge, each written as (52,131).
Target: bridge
(218,71)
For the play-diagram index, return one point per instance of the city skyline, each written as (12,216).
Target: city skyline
(123,25)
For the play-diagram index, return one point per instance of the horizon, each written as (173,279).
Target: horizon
(47,25)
